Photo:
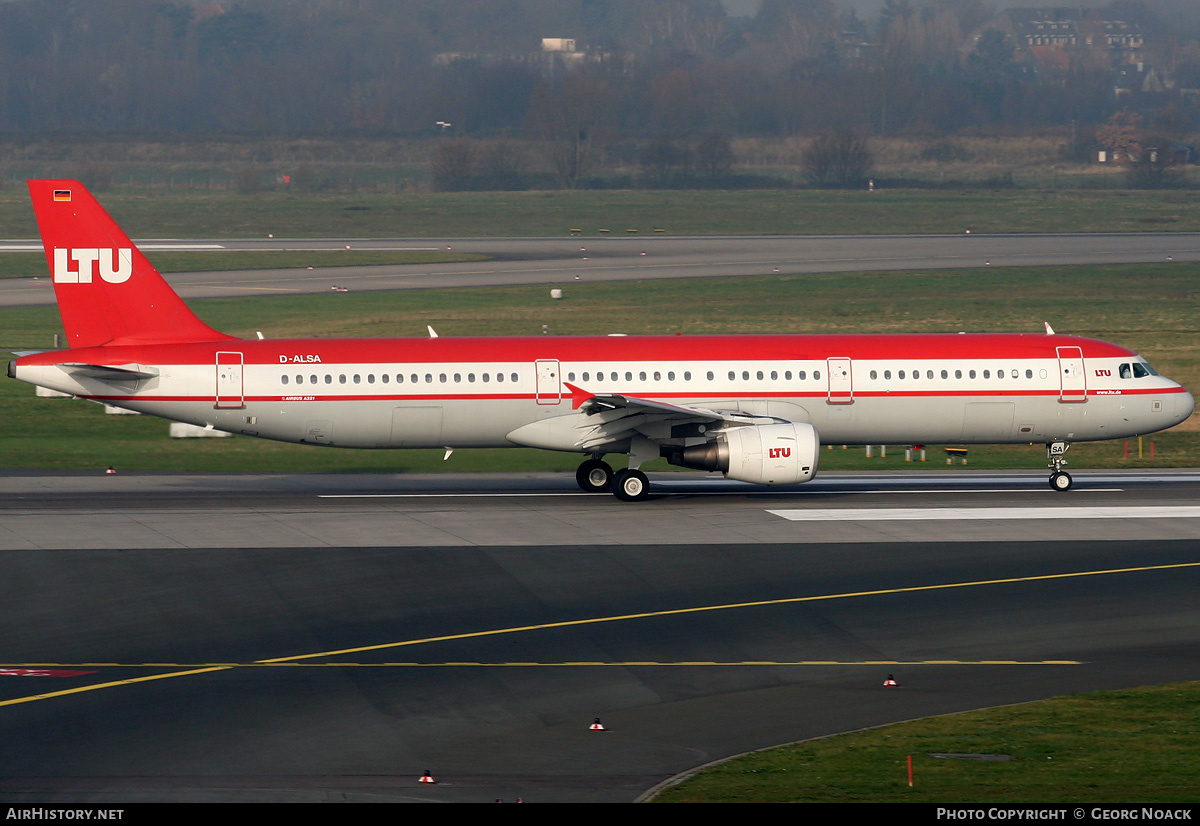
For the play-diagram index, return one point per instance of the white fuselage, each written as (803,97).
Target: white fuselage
(296,392)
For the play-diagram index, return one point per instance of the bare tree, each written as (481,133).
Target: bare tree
(571,119)
(836,160)
(453,164)
(714,155)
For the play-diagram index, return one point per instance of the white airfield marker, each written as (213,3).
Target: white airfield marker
(973,514)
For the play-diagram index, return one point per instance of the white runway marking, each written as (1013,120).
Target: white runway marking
(919,514)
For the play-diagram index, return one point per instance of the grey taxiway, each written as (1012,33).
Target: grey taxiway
(330,637)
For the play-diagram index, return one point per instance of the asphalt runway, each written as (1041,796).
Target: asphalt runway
(563,261)
(330,637)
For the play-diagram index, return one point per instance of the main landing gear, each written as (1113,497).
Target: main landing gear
(596,476)
(1060,480)
(630,485)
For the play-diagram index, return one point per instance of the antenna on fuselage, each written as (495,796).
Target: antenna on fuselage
(432,332)
(1049,329)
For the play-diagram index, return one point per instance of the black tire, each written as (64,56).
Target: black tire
(1060,481)
(630,485)
(594,476)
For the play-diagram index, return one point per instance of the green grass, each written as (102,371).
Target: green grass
(1150,308)
(1117,747)
(198,214)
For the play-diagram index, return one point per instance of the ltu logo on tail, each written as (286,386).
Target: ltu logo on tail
(115,265)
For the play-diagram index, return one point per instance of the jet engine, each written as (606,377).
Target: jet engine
(774,454)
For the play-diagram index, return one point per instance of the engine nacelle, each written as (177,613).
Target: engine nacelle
(773,454)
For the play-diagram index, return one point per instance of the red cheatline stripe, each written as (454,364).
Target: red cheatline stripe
(693,394)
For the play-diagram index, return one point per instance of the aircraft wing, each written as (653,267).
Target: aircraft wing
(612,418)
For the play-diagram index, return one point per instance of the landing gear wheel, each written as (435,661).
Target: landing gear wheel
(594,476)
(1060,481)
(630,485)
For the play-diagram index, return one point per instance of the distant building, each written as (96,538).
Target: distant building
(1050,38)
(556,55)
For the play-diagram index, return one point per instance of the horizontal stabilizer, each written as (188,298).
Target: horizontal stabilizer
(107,372)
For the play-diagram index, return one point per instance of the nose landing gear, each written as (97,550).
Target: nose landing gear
(1060,480)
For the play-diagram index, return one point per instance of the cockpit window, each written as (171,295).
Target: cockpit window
(1137,370)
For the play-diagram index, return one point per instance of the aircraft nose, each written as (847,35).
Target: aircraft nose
(1184,406)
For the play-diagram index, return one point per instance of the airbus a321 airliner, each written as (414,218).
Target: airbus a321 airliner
(755,408)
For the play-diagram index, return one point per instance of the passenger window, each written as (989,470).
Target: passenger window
(802,375)
(874,375)
(900,374)
(958,374)
(887,374)
(816,375)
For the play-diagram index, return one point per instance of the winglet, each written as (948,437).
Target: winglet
(107,291)
(578,395)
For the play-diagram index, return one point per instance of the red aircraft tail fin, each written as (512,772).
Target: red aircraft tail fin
(108,293)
